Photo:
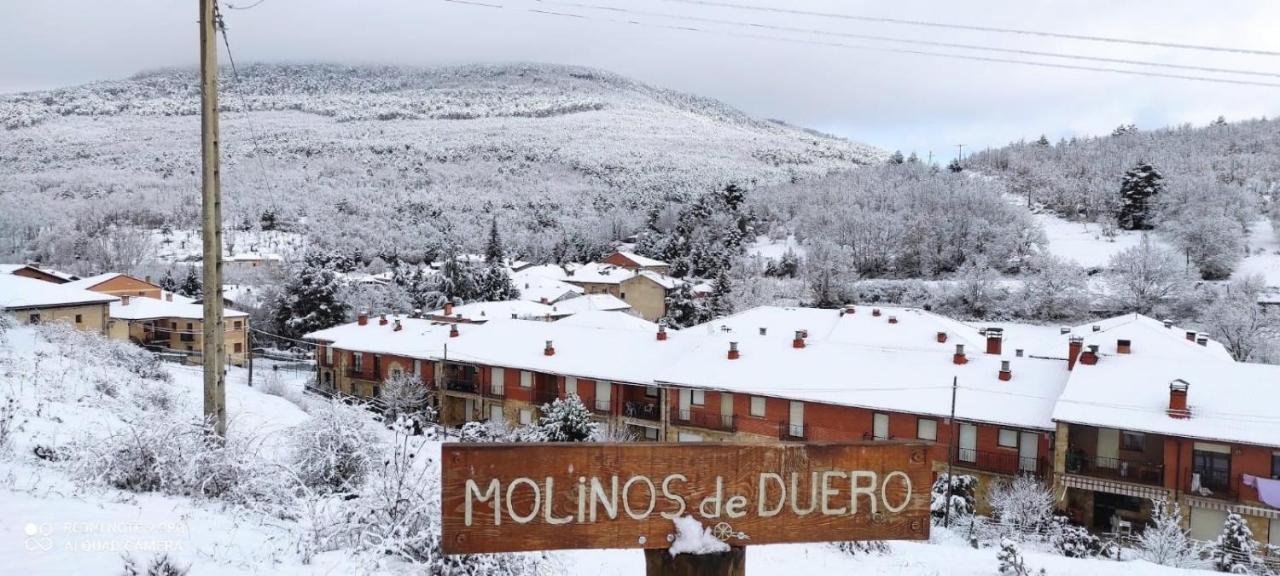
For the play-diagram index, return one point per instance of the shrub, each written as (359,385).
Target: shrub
(1074,541)
(1235,550)
(1011,562)
(857,547)
(1024,504)
(1164,541)
(160,565)
(332,450)
(963,488)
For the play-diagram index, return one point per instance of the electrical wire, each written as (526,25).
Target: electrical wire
(951,56)
(908,40)
(1019,31)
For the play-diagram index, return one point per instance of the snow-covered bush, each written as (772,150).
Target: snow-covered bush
(963,489)
(1235,550)
(1023,505)
(1164,541)
(860,547)
(567,420)
(1056,289)
(160,565)
(274,385)
(1145,278)
(1011,562)
(405,396)
(486,431)
(332,451)
(116,353)
(8,421)
(1075,541)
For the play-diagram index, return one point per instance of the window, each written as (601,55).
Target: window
(495,413)
(1211,467)
(880,426)
(190,326)
(33,319)
(1008,438)
(927,429)
(497,381)
(237,348)
(526,379)
(377,364)
(395,372)
(237,325)
(757,406)
(526,416)
(1275,465)
(571,386)
(1133,441)
(623,296)
(79,319)
(651,391)
(651,434)
(328,355)
(699,397)
(357,362)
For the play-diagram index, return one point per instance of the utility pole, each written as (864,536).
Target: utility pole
(951,455)
(961,155)
(213,350)
(248,339)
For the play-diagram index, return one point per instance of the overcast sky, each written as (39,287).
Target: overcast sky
(892,100)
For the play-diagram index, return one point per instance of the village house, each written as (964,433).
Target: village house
(1098,411)
(32,301)
(633,261)
(37,272)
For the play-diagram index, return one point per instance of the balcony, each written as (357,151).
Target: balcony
(1009,463)
(464,386)
(491,392)
(1214,484)
(1135,471)
(642,410)
(602,406)
(700,419)
(789,431)
(542,397)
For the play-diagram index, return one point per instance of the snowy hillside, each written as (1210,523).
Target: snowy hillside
(386,159)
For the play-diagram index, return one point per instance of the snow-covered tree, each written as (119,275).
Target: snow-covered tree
(1164,541)
(494,252)
(566,420)
(683,309)
(1137,188)
(975,293)
(1234,318)
(1075,541)
(1235,551)
(167,282)
(332,451)
(1024,504)
(493,283)
(720,301)
(955,165)
(1212,242)
(1056,289)
(896,157)
(191,287)
(963,493)
(828,272)
(404,396)
(310,298)
(1145,277)
(1011,562)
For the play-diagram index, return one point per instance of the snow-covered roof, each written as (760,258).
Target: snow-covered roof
(551,271)
(1229,401)
(642,261)
(915,329)
(662,279)
(1150,336)
(537,288)
(485,311)
(610,320)
(598,273)
(143,308)
(11,268)
(417,338)
(18,292)
(91,281)
(252,257)
(579,304)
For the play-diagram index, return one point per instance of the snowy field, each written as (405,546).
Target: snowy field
(58,523)
(184,245)
(1264,254)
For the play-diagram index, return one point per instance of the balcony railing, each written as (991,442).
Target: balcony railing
(1001,462)
(461,385)
(870,437)
(602,405)
(1137,471)
(492,392)
(1210,484)
(722,422)
(789,431)
(642,410)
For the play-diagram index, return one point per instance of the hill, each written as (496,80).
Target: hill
(386,160)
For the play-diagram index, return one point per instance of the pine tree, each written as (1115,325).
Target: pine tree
(167,283)
(494,284)
(457,278)
(191,287)
(566,420)
(720,302)
(896,157)
(1235,551)
(955,165)
(310,299)
(913,158)
(683,310)
(1010,558)
(268,221)
(963,488)
(493,250)
(1164,541)
(1043,141)
(1138,186)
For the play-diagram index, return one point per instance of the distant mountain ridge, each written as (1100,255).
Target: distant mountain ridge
(387,157)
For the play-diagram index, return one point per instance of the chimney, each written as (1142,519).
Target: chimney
(1064,330)
(799,340)
(147,279)
(543,300)
(124,300)
(1090,355)
(1168,323)
(893,319)
(1018,352)
(362,318)
(1191,335)
(514,316)
(417,312)
(1178,399)
(453,330)
(995,340)
(168,296)
(448,308)
(959,358)
(1006,373)
(942,337)
(382,319)
(1097,328)
(1074,345)
(875,312)
(549,349)
(1123,346)
(733,350)
(1202,339)
(397,327)
(662,332)
(850,310)
(763,330)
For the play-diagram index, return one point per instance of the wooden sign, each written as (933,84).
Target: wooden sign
(521,497)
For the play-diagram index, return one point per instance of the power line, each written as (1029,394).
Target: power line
(1019,31)
(880,48)
(873,37)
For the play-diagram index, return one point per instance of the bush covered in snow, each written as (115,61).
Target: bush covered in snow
(1075,541)
(1164,541)
(862,547)
(332,451)
(567,420)
(1235,551)
(963,489)
(160,565)
(1011,562)
(1023,505)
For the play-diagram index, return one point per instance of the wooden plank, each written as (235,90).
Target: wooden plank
(521,497)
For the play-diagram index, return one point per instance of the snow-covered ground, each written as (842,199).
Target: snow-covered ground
(767,248)
(1083,242)
(1264,254)
(57,523)
(184,245)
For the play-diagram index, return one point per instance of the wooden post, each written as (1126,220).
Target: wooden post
(215,406)
(658,562)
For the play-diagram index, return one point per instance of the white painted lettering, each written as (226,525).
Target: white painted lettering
(714,500)
(736,507)
(598,497)
(549,502)
(856,488)
(813,494)
(626,497)
(493,491)
(511,501)
(669,495)
(906,495)
(828,491)
(764,492)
